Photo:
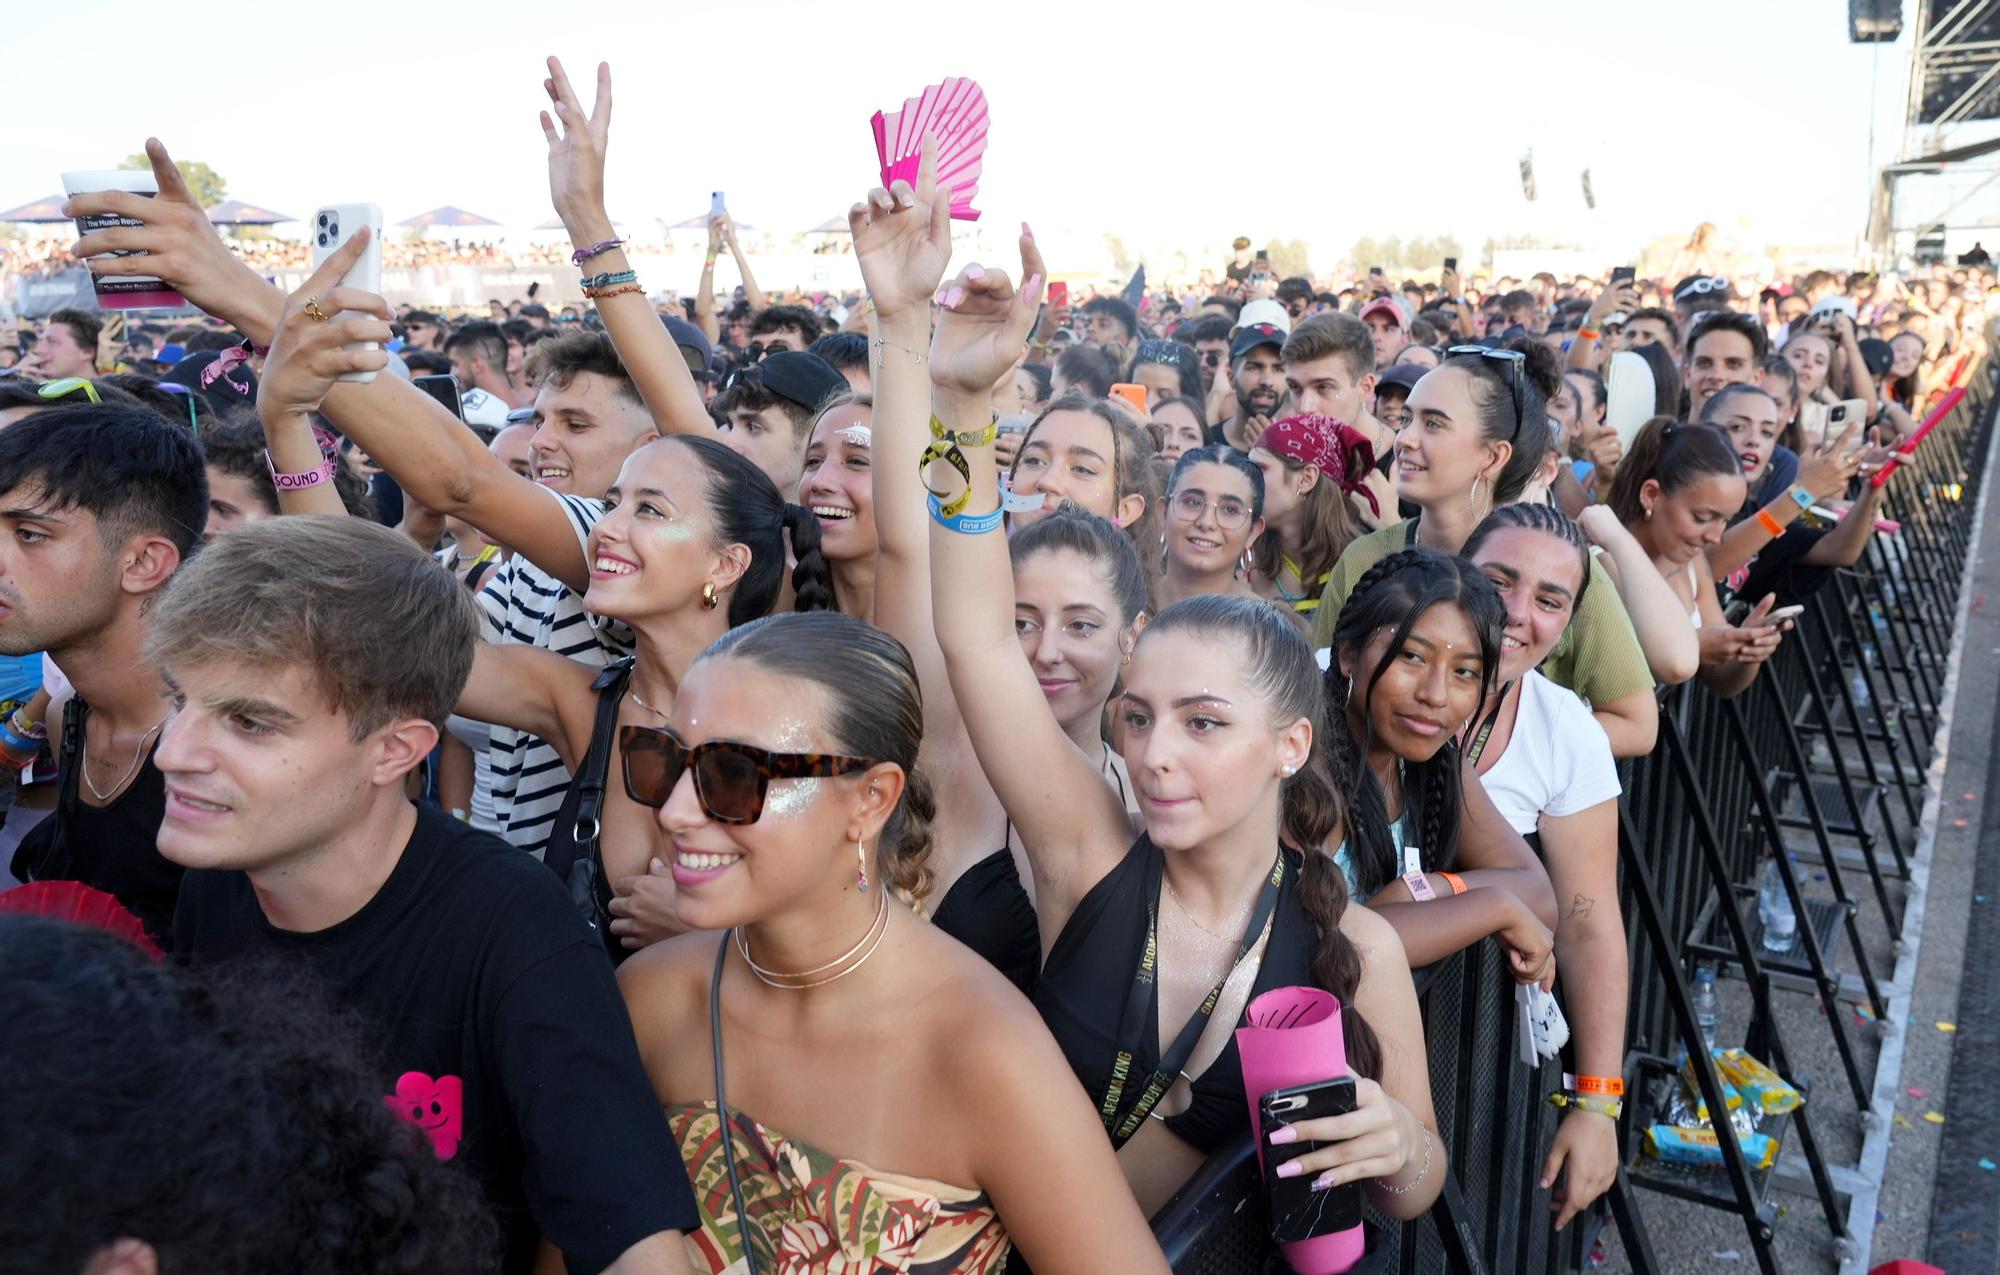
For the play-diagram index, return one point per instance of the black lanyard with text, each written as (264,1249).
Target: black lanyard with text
(1478,748)
(1139,1013)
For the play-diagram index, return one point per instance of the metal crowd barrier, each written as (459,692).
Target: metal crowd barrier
(1825,761)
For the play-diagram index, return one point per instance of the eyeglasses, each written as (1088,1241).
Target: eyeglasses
(69,385)
(1516,363)
(1231,514)
(1701,287)
(730,779)
(186,394)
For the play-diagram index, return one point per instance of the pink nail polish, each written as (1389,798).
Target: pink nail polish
(1323,1181)
(1279,1137)
(1289,1169)
(952,298)
(975,271)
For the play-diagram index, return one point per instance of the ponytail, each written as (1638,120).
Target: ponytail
(812,579)
(1672,454)
(903,852)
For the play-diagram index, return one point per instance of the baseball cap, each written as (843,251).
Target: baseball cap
(1878,354)
(1836,303)
(170,353)
(1256,334)
(1404,375)
(1265,311)
(689,337)
(805,379)
(482,410)
(1390,306)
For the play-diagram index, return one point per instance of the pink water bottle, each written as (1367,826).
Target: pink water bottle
(1293,1037)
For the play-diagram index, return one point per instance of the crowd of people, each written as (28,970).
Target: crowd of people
(815,787)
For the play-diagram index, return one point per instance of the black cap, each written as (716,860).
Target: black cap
(797,377)
(420,316)
(1255,335)
(1405,375)
(1877,354)
(689,337)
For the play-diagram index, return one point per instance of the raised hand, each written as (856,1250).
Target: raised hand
(902,239)
(983,323)
(576,150)
(308,354)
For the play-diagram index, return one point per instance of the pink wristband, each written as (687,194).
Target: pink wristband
(321,473)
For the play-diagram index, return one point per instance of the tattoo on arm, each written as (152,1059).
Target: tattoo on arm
(1580,907)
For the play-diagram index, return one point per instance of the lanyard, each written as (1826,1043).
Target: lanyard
(1486,727)
(1139,1006)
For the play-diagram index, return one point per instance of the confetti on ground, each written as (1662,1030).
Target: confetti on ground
(1947,1028)
(1865,1012)
(1935,1117)
(1972,796)
(1979,898)
(1920,1093)
(1958,823)
(1986,1163)
(1727,1255)
(1902,1122)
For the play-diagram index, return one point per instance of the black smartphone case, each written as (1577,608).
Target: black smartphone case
(1297,1212)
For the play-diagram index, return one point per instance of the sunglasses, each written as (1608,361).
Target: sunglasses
(730,779)
(69,385)
(1169,353)
(1701,287)
(1516,364)
(188,396)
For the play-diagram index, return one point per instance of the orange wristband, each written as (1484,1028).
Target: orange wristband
(1455,881)
(1770,524)
(1589,334)
(1613,1086)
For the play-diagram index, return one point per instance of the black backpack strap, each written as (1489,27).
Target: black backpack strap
(50,860)
(587,785)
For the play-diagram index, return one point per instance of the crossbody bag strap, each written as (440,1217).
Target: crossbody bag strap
(588,782)
(722,1105)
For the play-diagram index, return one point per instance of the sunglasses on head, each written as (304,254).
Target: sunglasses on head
(186,394)
(1701,287)
(69,385)
(1515,363)
(730,779)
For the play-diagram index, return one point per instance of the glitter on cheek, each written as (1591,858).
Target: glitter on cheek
(788,797)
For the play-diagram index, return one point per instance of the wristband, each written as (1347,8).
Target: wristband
(966,438)
(1420,886)
(1594,1104)
(320,473)
(582,255)
(606,279)
(18,745)
(709,262)
(1770,524)
(949,453)
(1589,334)
(1455,881)
(595,293)
(1013,504)
(1802,497)
(21,724)
(1607,1086)
(963,524)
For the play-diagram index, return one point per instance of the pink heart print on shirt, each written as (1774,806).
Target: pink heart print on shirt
(435,1106)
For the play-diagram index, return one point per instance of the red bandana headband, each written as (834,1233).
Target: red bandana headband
(1342,452)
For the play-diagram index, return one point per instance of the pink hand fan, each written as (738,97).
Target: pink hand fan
(75,901)
(955,111)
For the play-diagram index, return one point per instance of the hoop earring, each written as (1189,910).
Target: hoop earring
(708,599)
(1472,498)
(860,866)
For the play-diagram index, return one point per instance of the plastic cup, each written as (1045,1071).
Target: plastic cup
(122,292)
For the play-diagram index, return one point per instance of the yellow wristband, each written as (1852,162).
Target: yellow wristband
(966,438)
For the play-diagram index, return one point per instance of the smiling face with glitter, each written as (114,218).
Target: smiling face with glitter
(655,545)
(836,484)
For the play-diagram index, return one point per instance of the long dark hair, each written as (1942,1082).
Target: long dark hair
(1098,541)
(877,713)
(1174,354)
(1395,593)
(1228,458)
(1513,412)
(1673,454)
(749,511)
(1543,518)
(1280,664)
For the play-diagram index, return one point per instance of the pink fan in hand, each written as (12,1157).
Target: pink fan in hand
(955,111)
(74,901)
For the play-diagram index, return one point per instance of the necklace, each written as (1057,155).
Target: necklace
(1189,914)
(137,754)
(790,981)
(640,700)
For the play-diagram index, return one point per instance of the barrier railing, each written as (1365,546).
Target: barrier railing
(1820,767)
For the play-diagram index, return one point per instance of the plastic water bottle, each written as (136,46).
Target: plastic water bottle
(1858,688)
(1774,908)
(1707,1008)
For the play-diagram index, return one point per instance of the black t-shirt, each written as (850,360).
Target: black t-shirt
(503,1033)
(114,848)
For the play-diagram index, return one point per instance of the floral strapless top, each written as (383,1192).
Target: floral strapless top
(816,1214)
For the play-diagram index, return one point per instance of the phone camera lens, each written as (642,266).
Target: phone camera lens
(322,219)
(322,239)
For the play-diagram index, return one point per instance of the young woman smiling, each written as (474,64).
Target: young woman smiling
(836,486)
(1416,650)
(1675,493)
(1177,419)
(784,781)
(1467,449)
(1078,591)
(1549,770)
(1220,707)
(1214,509)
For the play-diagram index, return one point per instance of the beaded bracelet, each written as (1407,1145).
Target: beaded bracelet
(595,293)
(582,255)
(27,726)
(963,524)
(606,279)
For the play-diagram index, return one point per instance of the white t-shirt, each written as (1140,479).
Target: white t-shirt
(1558,760)
(523,603)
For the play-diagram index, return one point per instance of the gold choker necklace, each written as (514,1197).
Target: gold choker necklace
(843,965)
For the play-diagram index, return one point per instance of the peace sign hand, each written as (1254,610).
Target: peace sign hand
(902,239)
(576,151)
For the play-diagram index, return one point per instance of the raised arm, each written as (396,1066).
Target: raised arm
(1824,473)
(576,185)
(1583,347)
(1054,796)
(704,296)
(1664,633)
(902,242)
(751,292)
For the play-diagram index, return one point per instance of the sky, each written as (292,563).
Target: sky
(1168,124)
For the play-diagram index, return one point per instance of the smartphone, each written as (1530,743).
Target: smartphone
(1621,274)
(114,325)
(1736,612)
(1783,613)
(533,288)
(1131,393)
(1839,416)
(1297,1212)
(716,208)
(443,388)
(1376,271)
(1451,263)
(1059,296)
(333,226)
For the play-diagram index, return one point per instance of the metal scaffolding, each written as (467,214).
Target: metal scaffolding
(1949,130)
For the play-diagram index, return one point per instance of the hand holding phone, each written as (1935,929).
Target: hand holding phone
(1296,1123)
(333,228)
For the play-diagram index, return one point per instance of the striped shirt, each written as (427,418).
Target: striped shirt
(523,603)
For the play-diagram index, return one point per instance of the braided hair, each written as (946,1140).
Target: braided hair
(1394,594)
(749,511)
(1528,517)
